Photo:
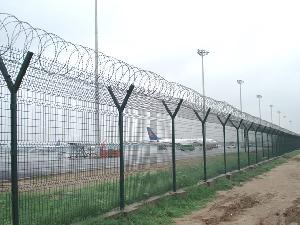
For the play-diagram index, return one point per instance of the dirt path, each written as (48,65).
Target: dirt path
(269,199)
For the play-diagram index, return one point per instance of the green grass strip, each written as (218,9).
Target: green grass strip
(197,197)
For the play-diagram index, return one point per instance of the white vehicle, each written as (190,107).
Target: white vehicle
(231,146)
(182,144)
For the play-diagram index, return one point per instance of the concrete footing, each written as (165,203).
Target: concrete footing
(135,206)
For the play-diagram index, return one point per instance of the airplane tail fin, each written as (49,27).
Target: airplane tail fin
(152,135)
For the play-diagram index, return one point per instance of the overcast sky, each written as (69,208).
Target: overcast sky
(257,41)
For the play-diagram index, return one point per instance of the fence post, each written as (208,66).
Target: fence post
(262,141)
(245,139)
(121,141)
(173,115)
(255,137)
(274,142)
(247,129)
(268,146)
(237,140)
(13,88)
(283,142)
(278,143)
(203,121)
(224,147)
(272,147)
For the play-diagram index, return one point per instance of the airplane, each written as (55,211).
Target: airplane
(182,144)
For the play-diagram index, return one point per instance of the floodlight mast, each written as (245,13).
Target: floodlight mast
(202,53)
(278,117)
(240,82)
(271,107)
(259,98)
(97,125)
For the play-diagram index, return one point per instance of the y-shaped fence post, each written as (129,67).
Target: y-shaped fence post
(272,141)
(282,143)
(245,139)
(277,143)
(173,115)
(247,129)
(262,141)
(238,140)
(224,149)
(13,88)
(268,132)
(203,121)
(255,137)
(121,141)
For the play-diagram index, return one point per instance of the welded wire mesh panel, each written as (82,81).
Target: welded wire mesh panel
(215,159)
(5,184)
(251,146)
(189,161)
(63,173)
(231,149)
(148,161)
(68,131)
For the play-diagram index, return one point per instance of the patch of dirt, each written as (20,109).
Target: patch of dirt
(228,208)
(271,199)
(297,159)
(289,216)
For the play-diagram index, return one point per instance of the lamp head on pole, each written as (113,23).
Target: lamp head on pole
(240,81)
(259,96)
(202,52)
(271,106)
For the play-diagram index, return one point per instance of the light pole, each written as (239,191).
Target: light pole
(278,117)
(97,131)
(259,98)
(271,107)
(240,82)
(202,53)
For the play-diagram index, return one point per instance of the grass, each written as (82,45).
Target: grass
(197,197)
(69,204)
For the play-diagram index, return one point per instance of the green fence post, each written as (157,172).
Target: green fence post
(173,115)
(237,127)
(262,141)
(224,146)
(255,137)
(247,129)
(203,121)
(268,146)
(13,88)
(272,142)
(277,143)
(238,144)
(121,141)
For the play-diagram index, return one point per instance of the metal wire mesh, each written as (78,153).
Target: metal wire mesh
(68,131)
